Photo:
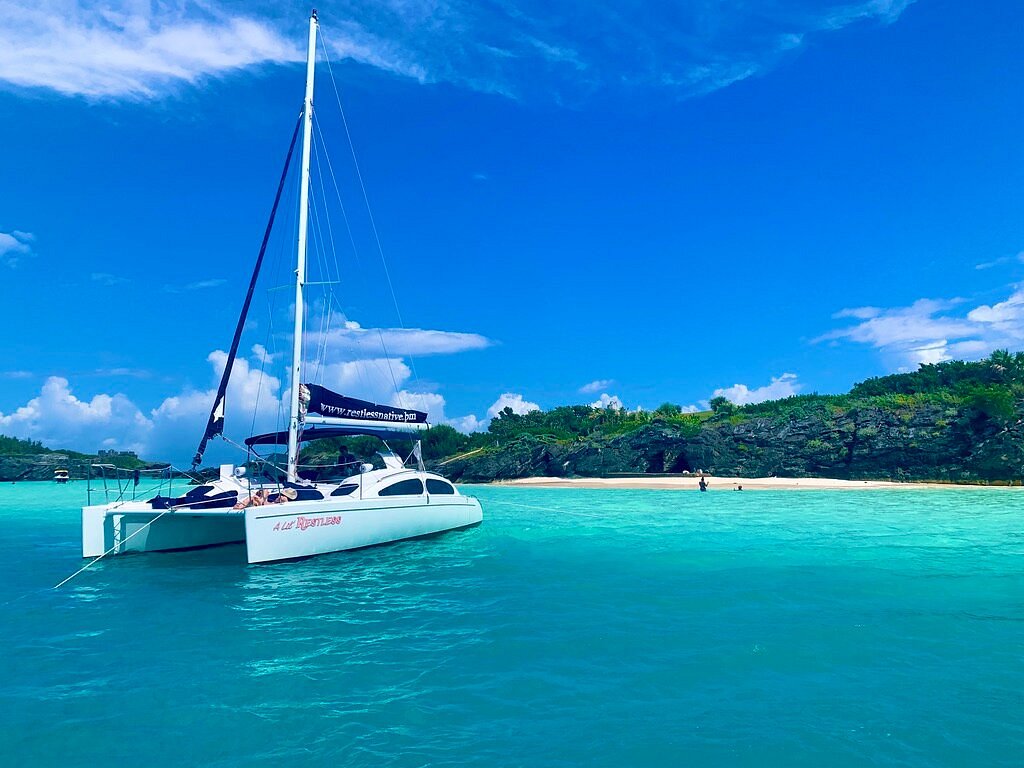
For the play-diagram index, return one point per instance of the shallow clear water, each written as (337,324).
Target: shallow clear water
(574,627)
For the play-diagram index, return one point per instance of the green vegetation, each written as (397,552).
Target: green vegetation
(31,460)
(987,391)
(953,421)
(14,446)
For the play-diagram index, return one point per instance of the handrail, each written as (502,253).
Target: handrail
(126,482)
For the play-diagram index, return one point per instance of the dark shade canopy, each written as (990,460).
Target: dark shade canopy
(315,433)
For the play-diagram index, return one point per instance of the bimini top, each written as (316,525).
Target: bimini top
(328,414)
(316,433)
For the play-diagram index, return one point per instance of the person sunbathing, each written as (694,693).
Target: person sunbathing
(258,499)
(286,494)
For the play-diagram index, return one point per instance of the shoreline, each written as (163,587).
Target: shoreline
(732,484)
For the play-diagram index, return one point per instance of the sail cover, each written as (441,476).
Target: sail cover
(327,403)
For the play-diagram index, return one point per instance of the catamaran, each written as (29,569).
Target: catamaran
(293,516)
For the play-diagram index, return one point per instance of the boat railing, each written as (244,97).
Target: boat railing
(118,484)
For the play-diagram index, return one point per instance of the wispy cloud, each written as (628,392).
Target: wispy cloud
(14,246)
(106,278)
(127,49)
(1001,261)
(518,48)
(131,373)
(15,374)
(933,330)
(596,386)
(199,285)
(353,339)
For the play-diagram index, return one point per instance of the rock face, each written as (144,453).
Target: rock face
(928,442)
(40,466)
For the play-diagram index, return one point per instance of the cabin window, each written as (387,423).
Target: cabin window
(307,494)
(403,488)
(439,486)
(344,490)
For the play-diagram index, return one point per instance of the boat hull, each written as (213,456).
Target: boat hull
(145,530)
(297,530)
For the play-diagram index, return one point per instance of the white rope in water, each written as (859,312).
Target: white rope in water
(91,563)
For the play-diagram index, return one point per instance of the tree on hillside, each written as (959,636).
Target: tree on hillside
(722,406)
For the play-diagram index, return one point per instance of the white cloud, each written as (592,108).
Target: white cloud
(514,401)
(61,420)
(353,339)
(608,401)
(127,49)
(931,331)
(14,245)
(434,404)
(16,375)
(375,379)
(785,385)
(468,424)
(252,402)
(262,356)
(431,403)
(596,386)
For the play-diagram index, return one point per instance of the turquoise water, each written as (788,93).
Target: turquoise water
(574,627)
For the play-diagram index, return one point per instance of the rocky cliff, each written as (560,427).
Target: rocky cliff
(918,441)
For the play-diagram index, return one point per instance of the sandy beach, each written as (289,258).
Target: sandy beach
(733,483)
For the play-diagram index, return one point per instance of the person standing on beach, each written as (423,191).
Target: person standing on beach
(703,483)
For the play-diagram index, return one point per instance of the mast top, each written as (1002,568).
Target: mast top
(313,15)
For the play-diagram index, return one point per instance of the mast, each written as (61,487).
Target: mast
(300,270)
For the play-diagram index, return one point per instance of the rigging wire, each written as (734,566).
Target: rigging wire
(337,190)
(366,198)
(355,251)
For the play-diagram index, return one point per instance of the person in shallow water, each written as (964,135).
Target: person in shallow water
(703,483)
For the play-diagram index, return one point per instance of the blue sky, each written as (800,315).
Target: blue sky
(645,202)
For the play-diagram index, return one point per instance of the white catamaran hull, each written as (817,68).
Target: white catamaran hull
(145,530)
(276,531)
(288,532)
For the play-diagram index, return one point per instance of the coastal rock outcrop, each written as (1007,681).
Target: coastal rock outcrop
(925,442)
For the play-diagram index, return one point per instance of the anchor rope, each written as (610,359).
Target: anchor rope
(91,563)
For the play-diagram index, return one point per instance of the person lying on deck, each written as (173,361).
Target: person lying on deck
(258,499)
(286,494)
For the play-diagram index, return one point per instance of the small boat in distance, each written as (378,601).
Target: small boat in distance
(292,516)
(60,476)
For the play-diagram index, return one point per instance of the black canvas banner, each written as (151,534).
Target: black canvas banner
(327,403)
